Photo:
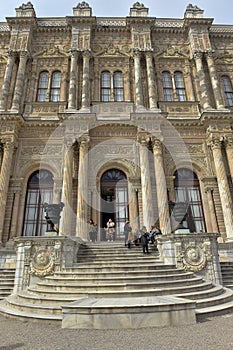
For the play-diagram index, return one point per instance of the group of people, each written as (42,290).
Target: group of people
(141,237)
(138,237)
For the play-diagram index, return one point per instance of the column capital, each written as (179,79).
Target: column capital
(8,142)
(148,53)
(86,53)
(84,141)
(228,140)
(74,52)
(209,53)
(157,146)
(143,139)
(214,142)
(136,52)
(24,54)
(12,53)
(197,54)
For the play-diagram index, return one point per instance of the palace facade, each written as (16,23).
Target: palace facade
(116,118)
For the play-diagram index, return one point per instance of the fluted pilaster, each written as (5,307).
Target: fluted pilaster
(150,80)
(164,218)
(86,77)
(198,55)
(229,153)
(81,224)
(138,81)
(212,220)
(5,178)
(214,80)
(72,103)
(66,196)
(147,207)
(23,57)
(7,80)
(223,186)
(133,203)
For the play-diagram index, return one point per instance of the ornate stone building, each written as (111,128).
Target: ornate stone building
(115,117)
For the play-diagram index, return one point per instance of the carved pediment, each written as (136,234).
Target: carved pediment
(224,57)
(173,51)
(109,51)
(52,51)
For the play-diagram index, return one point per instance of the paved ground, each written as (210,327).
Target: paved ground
(214,334)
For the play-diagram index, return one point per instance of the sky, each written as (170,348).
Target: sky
(220,10)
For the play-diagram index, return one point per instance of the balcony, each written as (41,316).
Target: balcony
(43,110)
(180,110)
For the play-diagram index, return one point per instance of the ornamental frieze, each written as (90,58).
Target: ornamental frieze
(42,150)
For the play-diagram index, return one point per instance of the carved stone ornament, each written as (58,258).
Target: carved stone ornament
(194,258)
(138,5)
(42,263)
(83,5)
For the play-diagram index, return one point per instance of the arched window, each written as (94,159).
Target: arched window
(39,191)
(179,86)
(118,87)
(55,87)
(43,86)
(167,86)
(187,190)
(228,91)
(105,87)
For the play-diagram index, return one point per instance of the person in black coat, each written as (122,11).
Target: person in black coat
(145,240)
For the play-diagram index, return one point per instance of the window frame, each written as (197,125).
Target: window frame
(52,89)
(227,89)
(112,86)
(173,85)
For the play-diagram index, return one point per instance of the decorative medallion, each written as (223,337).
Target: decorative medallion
(42,263)
(194,259)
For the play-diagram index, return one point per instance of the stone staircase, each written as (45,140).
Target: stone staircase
(108,276)
(227,273)
(7,277)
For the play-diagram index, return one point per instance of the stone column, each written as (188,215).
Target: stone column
(7,81)
(15,213)
(151,81)
(229,153)
(66,197)
(147,207)
(212,222)
(214,80)
(133,204)
(138,82)
(82,219)
(223,186)
(23,57)
(164,217)
(72,103)
(86,77)
(5,178)
(201,77)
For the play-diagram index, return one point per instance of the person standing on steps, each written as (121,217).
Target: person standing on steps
(110,230)
(145,240)
(91,230)
(127,230)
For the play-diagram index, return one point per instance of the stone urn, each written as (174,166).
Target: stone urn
(180,213)
(53,215)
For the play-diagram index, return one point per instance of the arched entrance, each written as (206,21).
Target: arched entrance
(114,201)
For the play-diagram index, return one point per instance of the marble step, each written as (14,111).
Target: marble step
(127,278)
(120,293)
(225,297)
(109,273)
(216,310)
(93,285)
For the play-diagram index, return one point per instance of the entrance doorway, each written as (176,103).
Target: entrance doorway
(114,203)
